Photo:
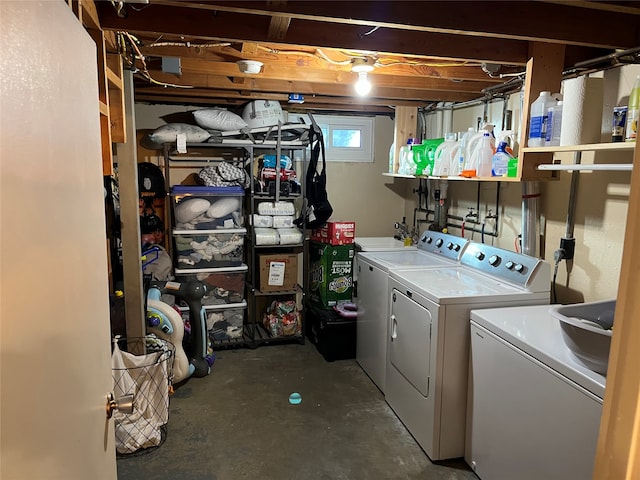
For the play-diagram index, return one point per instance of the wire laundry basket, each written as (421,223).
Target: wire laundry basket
(142,367)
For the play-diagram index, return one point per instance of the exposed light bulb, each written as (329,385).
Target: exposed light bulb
(363,86)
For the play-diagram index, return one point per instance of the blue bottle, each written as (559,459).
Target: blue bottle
(500,161)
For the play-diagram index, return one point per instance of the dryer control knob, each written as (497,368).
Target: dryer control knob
(480,256)
(428,239)
(456,247)
(494,260)
(450,245)
(509,265)
(519,267)
(439,242)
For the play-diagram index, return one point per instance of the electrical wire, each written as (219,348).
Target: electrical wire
(426,64)
(138,55)
(554,296)
(324,56)
(515,244)
(558,256)
(187,44)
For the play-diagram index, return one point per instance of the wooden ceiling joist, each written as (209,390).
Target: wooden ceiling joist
(423,51)
(555,22)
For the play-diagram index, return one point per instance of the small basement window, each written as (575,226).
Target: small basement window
(347,138)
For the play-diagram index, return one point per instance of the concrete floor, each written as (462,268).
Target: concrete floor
(237,423)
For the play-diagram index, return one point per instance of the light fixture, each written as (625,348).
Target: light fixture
(249,66)
(362,66)
(363,85)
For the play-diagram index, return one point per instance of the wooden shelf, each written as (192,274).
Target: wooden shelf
(455,178)
(104,108)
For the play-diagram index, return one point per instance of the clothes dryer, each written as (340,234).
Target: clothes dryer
(434,249)
(533,410)
(428,347)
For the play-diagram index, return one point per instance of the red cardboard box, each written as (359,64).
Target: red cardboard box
(335,233)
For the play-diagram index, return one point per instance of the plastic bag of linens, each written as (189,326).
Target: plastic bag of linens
(282,319)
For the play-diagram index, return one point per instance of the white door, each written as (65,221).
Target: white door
(54,306)
(410,340)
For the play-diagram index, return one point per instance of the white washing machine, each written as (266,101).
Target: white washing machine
(380,244)
(377,244)
(534,411)
(434,249)
(428,348)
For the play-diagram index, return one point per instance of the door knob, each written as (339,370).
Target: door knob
(124,404)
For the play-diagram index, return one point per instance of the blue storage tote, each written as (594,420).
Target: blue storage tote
(207,208)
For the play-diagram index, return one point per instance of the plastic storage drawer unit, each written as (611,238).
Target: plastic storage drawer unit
(224,285)
(224,322)
(209,248)
(207,208)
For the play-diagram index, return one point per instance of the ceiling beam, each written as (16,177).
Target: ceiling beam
(191,68)
(297,59)
(343,104)
(238,27)
(428,90)
(630,8)
(278,27)
(556,22)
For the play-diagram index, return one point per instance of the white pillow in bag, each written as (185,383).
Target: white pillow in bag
(218,119)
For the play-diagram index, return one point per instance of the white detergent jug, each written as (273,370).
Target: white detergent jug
(480,159)
(455,167)
(406,164)
(443,155)
(474,141)
(463,140)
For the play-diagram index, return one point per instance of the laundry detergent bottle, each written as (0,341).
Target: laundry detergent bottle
(633,112)
(486,156)
(442,156)
(500,161)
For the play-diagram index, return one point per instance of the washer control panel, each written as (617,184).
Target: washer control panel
(513,267)
(443,244)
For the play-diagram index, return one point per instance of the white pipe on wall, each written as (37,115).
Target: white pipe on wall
(530,219)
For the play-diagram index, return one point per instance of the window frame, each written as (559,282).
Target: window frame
(365,125)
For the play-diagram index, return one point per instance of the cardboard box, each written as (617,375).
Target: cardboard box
(331,273)
(335,233)
(278,272)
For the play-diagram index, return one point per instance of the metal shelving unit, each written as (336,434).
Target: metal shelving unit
(256,298)
(254,333)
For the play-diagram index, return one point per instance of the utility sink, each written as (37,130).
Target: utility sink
(378,244)
(586,330)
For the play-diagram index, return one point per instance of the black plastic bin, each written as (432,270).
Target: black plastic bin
(334,336)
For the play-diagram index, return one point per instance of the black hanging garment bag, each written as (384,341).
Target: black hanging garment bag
(317,209)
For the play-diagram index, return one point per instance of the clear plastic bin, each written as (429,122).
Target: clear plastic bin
(224,285)
(224,322)
(208,248)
